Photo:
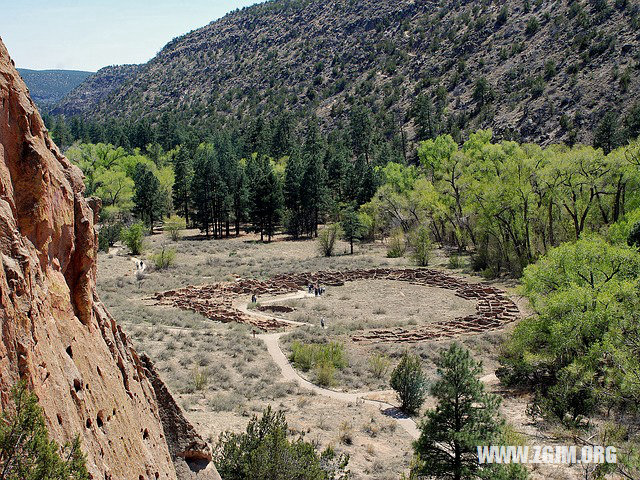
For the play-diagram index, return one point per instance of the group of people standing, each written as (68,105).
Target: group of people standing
(316,289)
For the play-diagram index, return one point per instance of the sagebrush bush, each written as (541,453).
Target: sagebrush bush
(379,364)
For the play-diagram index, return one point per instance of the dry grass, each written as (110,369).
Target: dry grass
(221,375)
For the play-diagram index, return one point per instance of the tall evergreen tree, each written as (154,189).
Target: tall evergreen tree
(293,195)
(148,202)
(426,118)
(608,136)
(183,171)
(266,196)
(361,130)
(466,416)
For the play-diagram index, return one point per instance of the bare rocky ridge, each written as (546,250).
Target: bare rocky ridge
(543,60)
(56,335)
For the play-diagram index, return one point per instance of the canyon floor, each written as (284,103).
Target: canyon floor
(222,374)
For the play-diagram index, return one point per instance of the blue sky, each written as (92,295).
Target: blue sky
(90,34)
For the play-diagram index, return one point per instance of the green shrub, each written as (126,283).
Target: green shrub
(164,259)
(421,243)
(379,365)
(310,355)
(174,226)
(324,372)
(25,449)
(327,239)
(409,382)
(200,378)
(455,261)
(108,235)
(133,238)
(533,25)
(265,451)
(397,245)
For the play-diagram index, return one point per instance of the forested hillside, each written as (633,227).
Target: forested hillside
(48,87)
(531,70)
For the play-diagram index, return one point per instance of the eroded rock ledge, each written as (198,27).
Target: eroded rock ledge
(55,333)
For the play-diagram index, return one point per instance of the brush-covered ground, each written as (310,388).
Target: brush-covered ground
(221,375)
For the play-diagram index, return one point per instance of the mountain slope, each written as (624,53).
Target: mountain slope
(47,87)
(551,68)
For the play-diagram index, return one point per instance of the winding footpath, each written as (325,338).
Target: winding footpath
(272,341)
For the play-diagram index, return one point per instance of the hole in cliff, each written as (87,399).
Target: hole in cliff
(100,419)
(140,477)
(59,418)
(196,464)
(113,414)
(157,474)
(99,371)
(70,351)
(89,422)
(145,434)
(77,385)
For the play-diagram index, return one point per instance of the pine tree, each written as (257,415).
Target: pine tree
(293,195)
(426,118)
(351,226)
(465,417)
(314,181)
(183,171)
(147,199)
(409,383)
(361,130)
(25,449)
(607,135)
(266,196)
(208,190)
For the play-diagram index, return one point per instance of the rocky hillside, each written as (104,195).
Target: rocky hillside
(532,70)
(56,335)
(48,87)
(96,89)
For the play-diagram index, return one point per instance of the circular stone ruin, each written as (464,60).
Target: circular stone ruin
(493,309)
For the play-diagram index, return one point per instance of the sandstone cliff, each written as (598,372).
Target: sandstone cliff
(55,334)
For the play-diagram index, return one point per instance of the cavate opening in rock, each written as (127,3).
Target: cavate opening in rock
(100,419)
(70,351)
(77,384)
(197,464)
(59,417)
(89,423)
(145,434)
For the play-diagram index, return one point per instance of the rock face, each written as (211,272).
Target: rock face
(55,334)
